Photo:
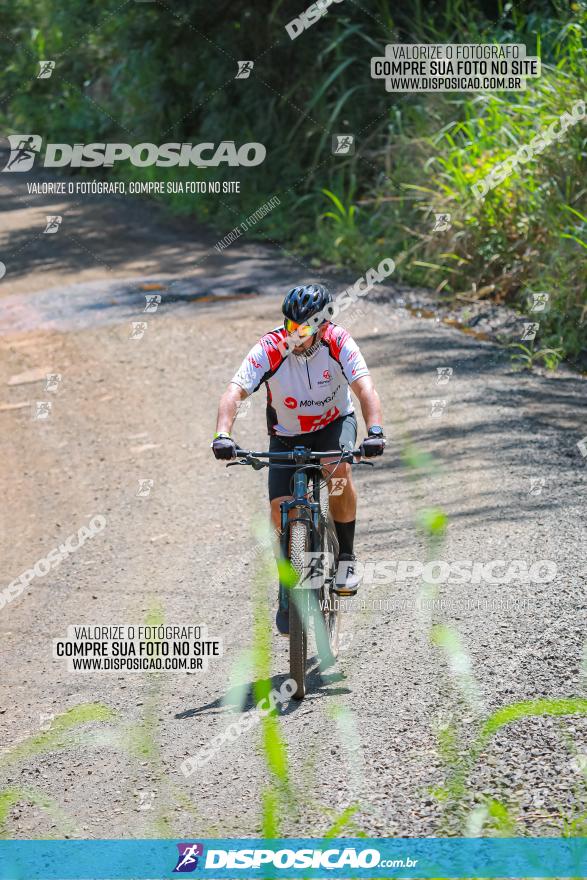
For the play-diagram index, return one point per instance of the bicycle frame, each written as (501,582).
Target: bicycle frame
(300,499)
(305,508)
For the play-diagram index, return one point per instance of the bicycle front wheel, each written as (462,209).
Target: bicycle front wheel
(299,607)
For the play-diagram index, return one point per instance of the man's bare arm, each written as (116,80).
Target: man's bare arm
(369,400)
(228,407)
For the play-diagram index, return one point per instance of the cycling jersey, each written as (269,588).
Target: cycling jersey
(303,393)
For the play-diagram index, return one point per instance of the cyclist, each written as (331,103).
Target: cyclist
(307,366)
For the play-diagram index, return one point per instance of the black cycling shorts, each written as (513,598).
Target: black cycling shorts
(340,434)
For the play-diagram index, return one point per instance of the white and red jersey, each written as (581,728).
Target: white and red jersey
(303,393)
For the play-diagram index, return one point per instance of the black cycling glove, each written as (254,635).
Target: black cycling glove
(374,444)
(223,447)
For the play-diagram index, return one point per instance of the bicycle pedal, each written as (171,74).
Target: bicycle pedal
(344,593)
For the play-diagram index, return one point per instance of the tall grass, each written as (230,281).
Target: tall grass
(416,154)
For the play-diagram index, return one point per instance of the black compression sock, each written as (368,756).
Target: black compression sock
(345,533)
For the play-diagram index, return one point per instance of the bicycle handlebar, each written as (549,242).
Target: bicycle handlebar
(300,455)
(304,453)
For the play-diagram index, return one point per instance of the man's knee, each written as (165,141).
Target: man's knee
(341,472)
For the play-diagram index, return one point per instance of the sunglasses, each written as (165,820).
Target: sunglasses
(302,330)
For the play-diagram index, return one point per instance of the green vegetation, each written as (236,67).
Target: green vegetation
(145,72)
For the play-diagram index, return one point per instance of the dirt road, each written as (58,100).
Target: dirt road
(130,409)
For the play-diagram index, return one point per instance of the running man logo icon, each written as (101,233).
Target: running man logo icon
(243,407)
(443,375)
(188,857)
(23,151)
(437,408)
(537,484)
(539,302)
(530,331)
(145,799)
(137,331)
(337,485)
(153,302)
(441,223)
(316,567)
(52,381)
(144,489)
(45,719)
(244,69)
(343,144)
(47,68)
(53,224)
(42,409)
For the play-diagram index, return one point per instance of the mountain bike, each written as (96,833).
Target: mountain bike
(309,542)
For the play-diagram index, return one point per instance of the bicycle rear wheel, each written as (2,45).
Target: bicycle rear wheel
(299,605)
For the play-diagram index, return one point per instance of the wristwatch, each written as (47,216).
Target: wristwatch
(375,431)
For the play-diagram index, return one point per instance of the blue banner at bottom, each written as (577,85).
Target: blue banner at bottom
(292,858)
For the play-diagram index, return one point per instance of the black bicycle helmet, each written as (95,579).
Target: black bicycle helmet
(302,302)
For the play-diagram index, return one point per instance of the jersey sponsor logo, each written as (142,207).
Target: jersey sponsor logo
(255,363)
(321,402)
(290,402)
(314,423)
(326,379)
